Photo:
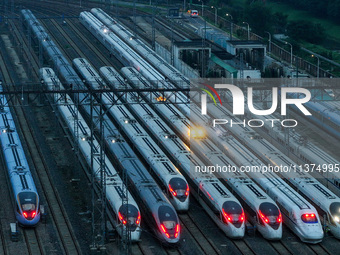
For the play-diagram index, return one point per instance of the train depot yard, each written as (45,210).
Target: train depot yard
(119,136)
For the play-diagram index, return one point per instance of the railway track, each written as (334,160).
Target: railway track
(33,242)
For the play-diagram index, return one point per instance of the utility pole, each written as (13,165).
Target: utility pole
(153,29)
(172,41)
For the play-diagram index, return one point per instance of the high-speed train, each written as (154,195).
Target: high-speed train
(293,206)
(215,198)
(294,145)
(27,203)
(251,196)
(315,192)
(51,51)
(127,55)
(145,51)
(157,211)
(171,179)
(127,214)
(157,217)
(153,71)
(237,181)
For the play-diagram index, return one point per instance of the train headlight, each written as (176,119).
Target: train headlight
(337,219)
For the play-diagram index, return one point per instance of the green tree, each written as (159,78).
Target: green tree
(259,16)
(307,31)
(279,22)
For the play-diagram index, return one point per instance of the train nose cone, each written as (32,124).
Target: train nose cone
(316,234)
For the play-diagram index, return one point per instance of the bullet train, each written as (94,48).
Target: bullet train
(170,232)
(139,46)
(252,198)
(143,73)
(127,55)
(51,51)
(171,179)
(127,214)
(27,203)
(156,209)
(217,201)
(315,192)
(261,209)
(298,149)
(168,112)
(319,235)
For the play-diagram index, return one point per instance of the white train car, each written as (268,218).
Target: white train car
(315,192)
(127,215)
(168,111)
(218,202)
(27,202)
(127,55)
(249,194)
(145,51)
(168,175)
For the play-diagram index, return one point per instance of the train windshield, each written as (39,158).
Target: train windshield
(169,222)
(270,214)
(233,213)
(334,209)
(179,188)
(129,215)
(28,202)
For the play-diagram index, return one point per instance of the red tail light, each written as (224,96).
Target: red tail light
(279,219)
(138,219)
(264,218)
(172,191)
(309,218)
(226,216)
(242,218)
(177,231)
(25,214)
(187,191)
(121,218)
(164,230)
(33,214)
